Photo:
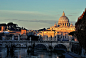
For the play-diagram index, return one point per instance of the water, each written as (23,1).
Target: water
(22,53)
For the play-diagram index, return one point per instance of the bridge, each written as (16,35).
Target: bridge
(48,45)
(38,44)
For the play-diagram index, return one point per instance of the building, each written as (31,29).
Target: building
(60,31)
(10,29)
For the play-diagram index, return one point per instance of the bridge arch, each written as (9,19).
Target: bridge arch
(60,47)
(40,46)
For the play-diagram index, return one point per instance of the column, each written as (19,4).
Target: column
(56,38)
(30,38)
(13,37)
(62,37)
(3,38)
(18,37)
(51,38)
(69,38)
(66,24)
(46,38)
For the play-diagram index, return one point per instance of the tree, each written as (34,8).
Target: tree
(11,26)
(80,33)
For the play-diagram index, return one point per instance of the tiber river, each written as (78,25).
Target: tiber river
(22,53)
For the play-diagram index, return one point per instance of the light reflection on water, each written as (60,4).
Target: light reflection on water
(22,53)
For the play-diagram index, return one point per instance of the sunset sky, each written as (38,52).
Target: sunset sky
(36,14)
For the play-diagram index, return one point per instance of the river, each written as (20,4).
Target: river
(22,53)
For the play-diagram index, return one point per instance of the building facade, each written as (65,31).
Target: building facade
(60,31)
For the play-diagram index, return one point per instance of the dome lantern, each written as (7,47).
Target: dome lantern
(63,14)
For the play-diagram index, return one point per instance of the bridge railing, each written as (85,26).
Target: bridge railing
(33,41)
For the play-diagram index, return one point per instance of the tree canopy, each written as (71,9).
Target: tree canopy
(80,33)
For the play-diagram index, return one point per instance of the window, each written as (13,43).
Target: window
(47,36)
(58,36)
(24,31)
(57,32)
(51,37)
(65,24)
(65,36)
(55,36)
(61,36)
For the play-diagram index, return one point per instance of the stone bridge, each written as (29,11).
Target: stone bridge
(62,45)
(38,44)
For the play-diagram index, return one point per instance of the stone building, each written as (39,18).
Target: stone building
(60,31)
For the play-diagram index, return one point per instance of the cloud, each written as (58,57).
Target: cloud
(74,13)
(24,20)
(44,21)
(69,15)
(19,12)
(23,12)
(33,21)
(16,20)
(11,14)
(11,19)
(39,21)
(50,21)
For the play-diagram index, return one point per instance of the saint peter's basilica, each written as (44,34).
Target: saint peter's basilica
(60,30)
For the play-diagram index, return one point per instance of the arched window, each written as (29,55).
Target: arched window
(58,36)
(47,36)
(65,24)
(57,32)
(51,37)
(55,36)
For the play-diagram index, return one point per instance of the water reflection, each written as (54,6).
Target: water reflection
(22,53)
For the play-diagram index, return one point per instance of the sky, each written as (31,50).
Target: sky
(36,14)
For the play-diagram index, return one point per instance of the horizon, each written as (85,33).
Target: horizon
(36,14)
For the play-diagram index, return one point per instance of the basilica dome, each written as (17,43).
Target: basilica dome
(63,19)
